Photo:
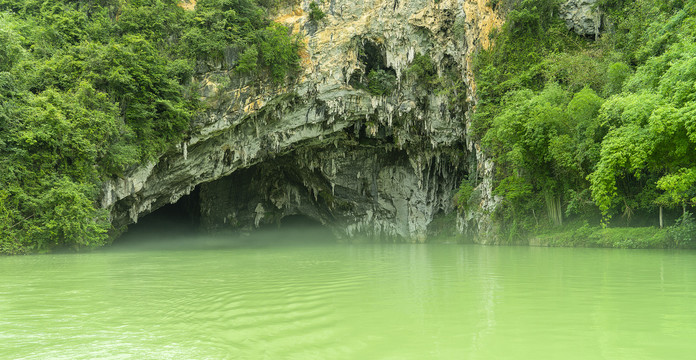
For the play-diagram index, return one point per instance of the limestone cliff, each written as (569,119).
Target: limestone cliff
(323,146)
(583,17)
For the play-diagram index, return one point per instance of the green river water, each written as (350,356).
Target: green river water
(277,296)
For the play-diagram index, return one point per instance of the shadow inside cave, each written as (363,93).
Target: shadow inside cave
(172,221)
(178,226)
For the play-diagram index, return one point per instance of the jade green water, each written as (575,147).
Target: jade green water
(268,298)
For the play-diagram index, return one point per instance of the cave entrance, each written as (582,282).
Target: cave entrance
(172,220)
(299,221)
(372,57)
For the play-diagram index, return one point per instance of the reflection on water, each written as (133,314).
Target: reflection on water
(297,294)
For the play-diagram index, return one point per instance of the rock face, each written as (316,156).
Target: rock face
(583,17)
(323,146)
(355,188)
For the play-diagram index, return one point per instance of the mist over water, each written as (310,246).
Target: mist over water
(170,230)
(295,293)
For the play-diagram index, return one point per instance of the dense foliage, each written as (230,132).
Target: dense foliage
(381,82)
(591,130)
(91,88)
(315,12)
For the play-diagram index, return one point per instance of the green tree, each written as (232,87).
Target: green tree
(381,82)
(278,51)
(315,12)
(248,60)
(11,49)
(89,89)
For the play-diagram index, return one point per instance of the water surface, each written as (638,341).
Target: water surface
(274,296)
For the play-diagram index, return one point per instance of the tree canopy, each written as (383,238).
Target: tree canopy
(595,130)
(89,89)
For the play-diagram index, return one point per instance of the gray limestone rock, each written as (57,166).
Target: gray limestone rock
(323,146)
(583,17)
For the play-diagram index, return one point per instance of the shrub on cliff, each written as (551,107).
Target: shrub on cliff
(422,70)
(315,12)
(381,82)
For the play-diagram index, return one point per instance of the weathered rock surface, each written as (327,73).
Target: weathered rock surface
(323,146)
(583,17)
(355,188)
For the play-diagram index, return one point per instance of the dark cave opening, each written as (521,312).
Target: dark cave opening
(172,220)
(299,221)
(372,56)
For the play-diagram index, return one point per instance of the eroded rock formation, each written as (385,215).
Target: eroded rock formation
(323,146)
(583,17)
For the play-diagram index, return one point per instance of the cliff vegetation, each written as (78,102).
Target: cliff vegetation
(592,130)
(89,89)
